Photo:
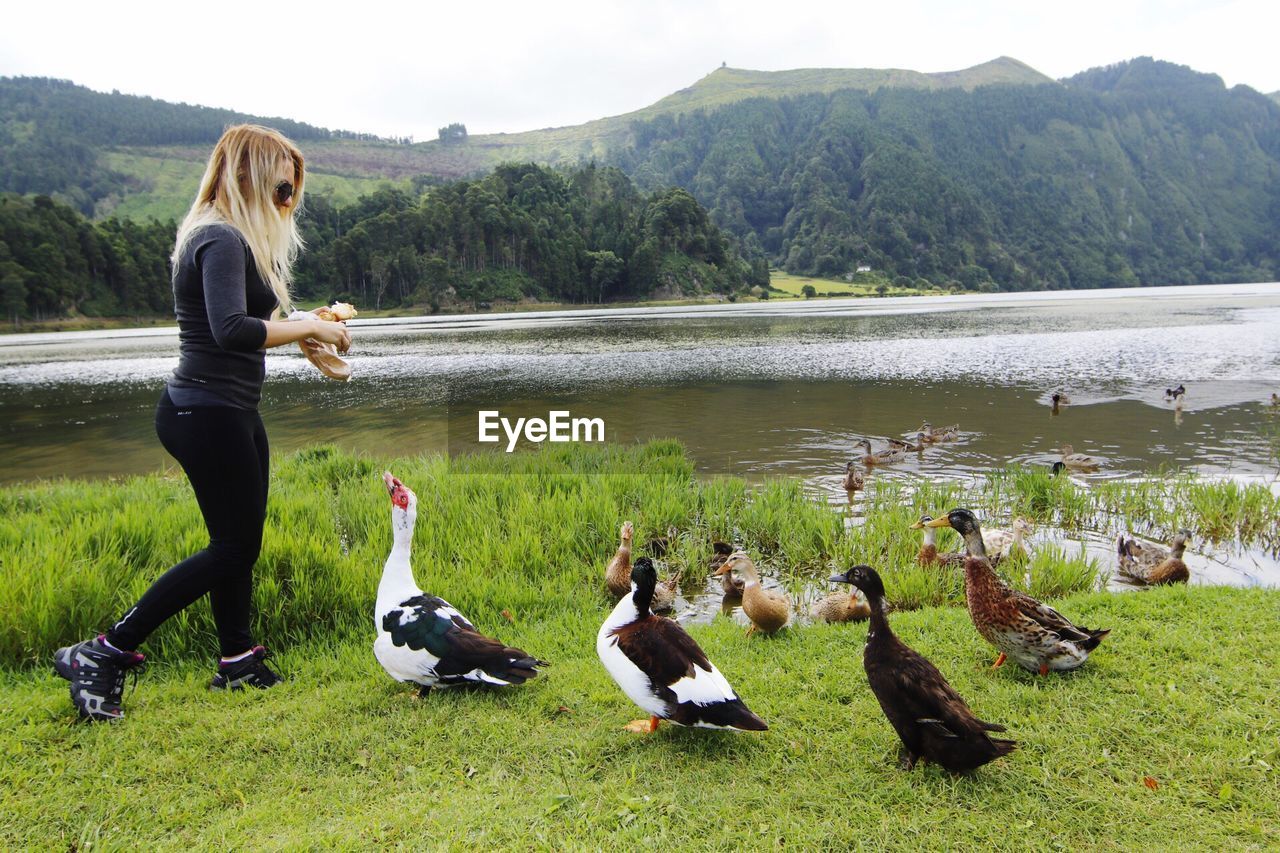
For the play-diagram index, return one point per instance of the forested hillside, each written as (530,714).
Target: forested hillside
(1140,173)
(524,231)
(990,178)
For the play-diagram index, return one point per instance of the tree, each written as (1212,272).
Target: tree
(604,270)
(808,291)
(453,134)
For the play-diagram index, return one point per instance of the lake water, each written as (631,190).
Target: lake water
(753,390)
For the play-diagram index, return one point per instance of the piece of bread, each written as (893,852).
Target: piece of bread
(326,358)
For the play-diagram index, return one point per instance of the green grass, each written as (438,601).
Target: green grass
(792,285)
(168,179)
(1182,691)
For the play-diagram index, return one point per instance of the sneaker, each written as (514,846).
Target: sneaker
(250,671)
(96,672)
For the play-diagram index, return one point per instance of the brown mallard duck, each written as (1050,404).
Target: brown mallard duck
(1002,543)
(617,575)
(1151,564)
(934,435)
(917,447)
(853,479)
(932,719)
(731,584)
(664,594)
(892,453)
(1078,461)
(840,607)
(929,554)
(768,609)
(1037,637)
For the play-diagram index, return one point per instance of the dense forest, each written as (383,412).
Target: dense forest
(585,235)
(1139,173)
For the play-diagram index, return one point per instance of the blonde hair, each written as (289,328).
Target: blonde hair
(238,189)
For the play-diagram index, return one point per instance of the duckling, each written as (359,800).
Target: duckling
(1060,399)
(1078,461)
(840,607)
(1152,564)
(891,454)
(853,479)
(768,609)
(1006,543)
(931,718)
(617,575)
(1275,400)
(1175,393)
(1037,637)
(1056,469)
(934,434)
(929,555)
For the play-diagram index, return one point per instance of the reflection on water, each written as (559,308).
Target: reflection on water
(753,390)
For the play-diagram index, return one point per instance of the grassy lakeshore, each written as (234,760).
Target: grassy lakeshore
(341,756)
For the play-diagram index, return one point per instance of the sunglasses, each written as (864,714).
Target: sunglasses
(284,192)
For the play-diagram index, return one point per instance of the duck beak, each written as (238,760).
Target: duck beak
(919,525)
(389,481)
(938,522)
(723,570)
(838,579)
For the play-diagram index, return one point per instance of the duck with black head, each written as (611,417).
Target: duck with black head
(932,719)
(662,669)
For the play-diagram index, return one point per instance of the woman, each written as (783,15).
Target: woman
(231,274)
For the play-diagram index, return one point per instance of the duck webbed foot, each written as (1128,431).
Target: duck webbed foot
(424,691)
(999,661)
(907,759)
(642,727)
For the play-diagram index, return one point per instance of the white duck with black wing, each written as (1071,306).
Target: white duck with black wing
(662,669)
(422,638)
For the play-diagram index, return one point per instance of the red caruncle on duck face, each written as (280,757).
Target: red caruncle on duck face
(399,492)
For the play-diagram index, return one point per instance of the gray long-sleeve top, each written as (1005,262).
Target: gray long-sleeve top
(222,304)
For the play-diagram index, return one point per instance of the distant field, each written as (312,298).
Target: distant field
(793,284)
(167,179)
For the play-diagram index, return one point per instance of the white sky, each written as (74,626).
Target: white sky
(406,69)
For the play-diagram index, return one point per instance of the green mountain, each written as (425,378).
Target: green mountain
(1139,173)
(996,176)
(139,157)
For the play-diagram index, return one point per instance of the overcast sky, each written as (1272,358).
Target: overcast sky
(406,69)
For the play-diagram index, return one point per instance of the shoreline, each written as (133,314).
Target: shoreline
(555,312)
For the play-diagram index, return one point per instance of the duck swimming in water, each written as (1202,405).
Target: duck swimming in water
(1153,565)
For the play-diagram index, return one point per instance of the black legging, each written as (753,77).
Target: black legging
(223,450)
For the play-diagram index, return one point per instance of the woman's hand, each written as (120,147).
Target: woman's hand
(288,331)
(331,333)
